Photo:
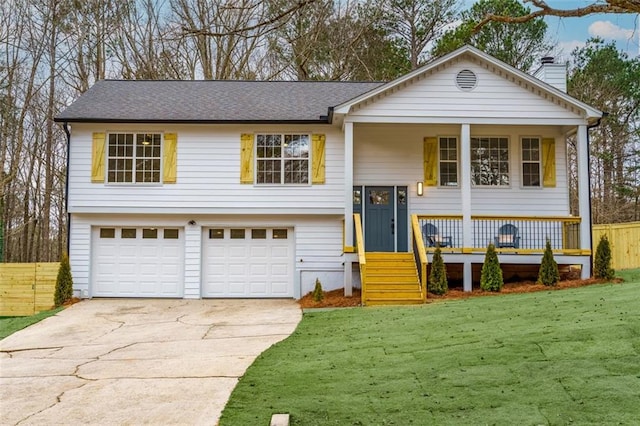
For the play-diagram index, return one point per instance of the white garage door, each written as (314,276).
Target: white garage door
(137,262)
(248,262)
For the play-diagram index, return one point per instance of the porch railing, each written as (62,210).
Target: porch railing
(419,255)
(517,234)
(362,259)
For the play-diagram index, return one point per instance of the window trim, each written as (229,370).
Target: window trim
(509,158)
(539,162)
(457,162)
(134,133)
(309,159)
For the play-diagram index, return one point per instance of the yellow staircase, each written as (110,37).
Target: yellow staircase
(391,279)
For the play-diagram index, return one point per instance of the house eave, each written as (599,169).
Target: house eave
(322,120)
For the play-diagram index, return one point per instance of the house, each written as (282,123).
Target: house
(198,189)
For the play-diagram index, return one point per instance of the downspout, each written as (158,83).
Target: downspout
(589,127)
(65,126)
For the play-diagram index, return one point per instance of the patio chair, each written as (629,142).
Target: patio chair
(508,237)
(432,237)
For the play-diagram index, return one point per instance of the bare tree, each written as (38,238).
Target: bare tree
(416,23)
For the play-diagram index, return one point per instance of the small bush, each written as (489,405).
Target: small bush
(64,282)
(318,295)
(438,276)
(548,274)
(491,278)
(602,263)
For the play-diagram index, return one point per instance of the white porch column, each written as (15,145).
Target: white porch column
(465,193)
(348,205)
(583,195)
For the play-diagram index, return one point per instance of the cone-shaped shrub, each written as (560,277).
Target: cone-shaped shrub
(491,278)
(602,263)
(64,282)
(318,295)
(438,276)
(548,273)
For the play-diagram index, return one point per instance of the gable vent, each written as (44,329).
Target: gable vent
(466,80)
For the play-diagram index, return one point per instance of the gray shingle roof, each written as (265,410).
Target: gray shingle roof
(210,101)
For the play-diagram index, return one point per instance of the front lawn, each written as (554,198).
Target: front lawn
(556,357)
(9,325)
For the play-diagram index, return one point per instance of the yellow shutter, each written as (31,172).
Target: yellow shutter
(430,161)
(170,158)
(246,158)
(549,162)
(97,157)
(317,150)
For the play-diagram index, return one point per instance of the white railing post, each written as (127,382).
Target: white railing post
(583,195)
(465,192)
(348,205)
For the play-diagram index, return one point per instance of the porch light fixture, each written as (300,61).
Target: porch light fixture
(420,189)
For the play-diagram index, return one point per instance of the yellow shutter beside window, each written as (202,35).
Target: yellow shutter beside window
(97,157)
(246,158)
(318,167)
(549,162)
(430,161)
(170,158)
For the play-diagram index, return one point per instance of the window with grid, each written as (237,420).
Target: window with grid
(282,159)
(134,157)
(530,162)
(448,161)
(490,161)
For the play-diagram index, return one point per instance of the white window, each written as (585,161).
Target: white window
(282,158)
(531,162)
(448,161)
(490,161)
(134,158)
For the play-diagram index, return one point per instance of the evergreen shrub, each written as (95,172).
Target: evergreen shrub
(437,283)
(64,282)
(491,278)
(548,273)
(318,295)
(602,263)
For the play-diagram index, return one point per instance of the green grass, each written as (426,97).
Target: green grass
(9,325)
(555,357)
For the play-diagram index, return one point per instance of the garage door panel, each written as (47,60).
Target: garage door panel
(137,267)
(257,266)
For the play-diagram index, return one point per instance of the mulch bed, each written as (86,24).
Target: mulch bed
(337,299)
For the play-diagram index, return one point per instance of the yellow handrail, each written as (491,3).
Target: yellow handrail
(526,218)
(361,255)
(422,254)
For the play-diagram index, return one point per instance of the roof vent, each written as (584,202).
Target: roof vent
(547,60)
(466,80)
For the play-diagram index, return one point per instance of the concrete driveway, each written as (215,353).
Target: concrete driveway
(136,361)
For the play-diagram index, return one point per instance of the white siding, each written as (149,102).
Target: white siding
(208,176)
(317,244)
(495,96)
(392,155)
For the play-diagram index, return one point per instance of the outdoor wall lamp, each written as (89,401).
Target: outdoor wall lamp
(420,189)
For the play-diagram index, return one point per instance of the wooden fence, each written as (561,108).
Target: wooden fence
(27,288)
(625,243)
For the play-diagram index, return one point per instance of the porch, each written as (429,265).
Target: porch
(520,242)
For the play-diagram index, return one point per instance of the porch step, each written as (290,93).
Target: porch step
(391,279)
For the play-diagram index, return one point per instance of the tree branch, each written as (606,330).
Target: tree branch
(611,6)
(236,31)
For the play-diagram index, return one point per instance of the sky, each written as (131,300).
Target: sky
(569,33)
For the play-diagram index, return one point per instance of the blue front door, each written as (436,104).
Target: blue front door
(379,228)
